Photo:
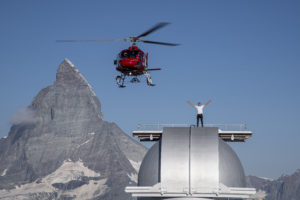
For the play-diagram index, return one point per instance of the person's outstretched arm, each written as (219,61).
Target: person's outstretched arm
(207,103)
(191,104)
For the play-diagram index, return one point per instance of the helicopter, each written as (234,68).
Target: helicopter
(133,61)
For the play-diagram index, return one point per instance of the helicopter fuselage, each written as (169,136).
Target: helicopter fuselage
(132,61)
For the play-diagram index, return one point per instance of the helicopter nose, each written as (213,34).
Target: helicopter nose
(128,62)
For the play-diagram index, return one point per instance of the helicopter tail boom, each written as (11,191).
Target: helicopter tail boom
(153,69)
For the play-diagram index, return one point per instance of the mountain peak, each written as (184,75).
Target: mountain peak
(68,75)
(67,151)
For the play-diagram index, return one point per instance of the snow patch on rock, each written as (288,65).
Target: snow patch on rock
(4,172)
(267,179)
(20,192)
(133,177)
(260,194)
(135,165)
(69,62)
(88,191)
(69,171)
(83,143)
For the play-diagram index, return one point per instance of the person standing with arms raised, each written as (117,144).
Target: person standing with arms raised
(199,109)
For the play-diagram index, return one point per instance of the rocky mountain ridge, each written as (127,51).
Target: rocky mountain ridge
(286,187)
(61,147)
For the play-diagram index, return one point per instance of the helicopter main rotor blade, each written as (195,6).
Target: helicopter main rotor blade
(154,28)
(120,40)
(160,43)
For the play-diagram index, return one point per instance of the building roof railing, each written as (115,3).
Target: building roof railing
(158,126)
(227,132)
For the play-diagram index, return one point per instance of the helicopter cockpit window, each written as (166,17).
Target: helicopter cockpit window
(130,54)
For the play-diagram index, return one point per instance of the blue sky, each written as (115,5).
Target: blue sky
(241,54)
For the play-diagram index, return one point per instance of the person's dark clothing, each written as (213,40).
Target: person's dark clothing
(199,116)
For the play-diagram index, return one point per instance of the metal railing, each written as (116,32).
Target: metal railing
(232,127)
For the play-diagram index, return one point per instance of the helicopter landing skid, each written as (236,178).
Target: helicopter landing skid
(120,81)
(148,77)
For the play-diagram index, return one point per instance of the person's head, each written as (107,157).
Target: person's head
(199,103)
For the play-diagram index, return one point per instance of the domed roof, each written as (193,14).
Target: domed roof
(149,169)
(194,162)
(231,172)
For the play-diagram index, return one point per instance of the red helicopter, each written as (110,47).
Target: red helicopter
(133,61)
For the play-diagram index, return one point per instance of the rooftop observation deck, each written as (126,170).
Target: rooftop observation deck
(227,132)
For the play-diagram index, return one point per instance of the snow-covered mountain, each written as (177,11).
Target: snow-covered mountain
(59,147)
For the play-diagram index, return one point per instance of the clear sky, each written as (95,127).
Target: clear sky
(241,54)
